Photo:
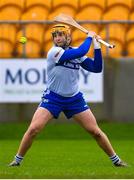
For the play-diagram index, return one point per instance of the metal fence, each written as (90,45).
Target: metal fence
(23,24)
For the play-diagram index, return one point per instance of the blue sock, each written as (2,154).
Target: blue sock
(115,159)
(18,158)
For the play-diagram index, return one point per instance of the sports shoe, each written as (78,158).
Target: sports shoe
(14,163)
(121,164)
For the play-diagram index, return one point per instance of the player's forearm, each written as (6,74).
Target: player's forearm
(79,52)
(93,65)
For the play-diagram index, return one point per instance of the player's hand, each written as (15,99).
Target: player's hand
(91,34)
(97,37)
(96,42)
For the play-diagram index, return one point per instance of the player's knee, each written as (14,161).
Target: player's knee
(32,132)
(96,133)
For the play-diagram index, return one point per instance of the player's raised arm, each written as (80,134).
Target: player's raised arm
(96,64)
(79,52)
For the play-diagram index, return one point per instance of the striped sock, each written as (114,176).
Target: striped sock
(18,158)
(115,159)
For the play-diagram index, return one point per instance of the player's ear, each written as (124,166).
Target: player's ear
(69,40)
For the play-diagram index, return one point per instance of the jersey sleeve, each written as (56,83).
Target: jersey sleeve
(82,59)
(79,52)
(55,53)
(93,65)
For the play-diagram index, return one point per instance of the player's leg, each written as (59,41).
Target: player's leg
(39,120)
(87,120)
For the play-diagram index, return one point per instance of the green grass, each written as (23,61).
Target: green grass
(66,151)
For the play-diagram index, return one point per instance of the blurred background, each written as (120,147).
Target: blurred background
(113,20)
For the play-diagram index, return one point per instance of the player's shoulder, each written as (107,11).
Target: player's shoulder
(54,49)
(55,52)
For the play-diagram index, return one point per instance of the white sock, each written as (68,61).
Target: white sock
(18,158)
(115,159)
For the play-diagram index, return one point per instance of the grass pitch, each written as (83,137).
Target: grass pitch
(66,151)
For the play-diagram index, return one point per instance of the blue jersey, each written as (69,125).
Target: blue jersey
(62,77)
(63,68)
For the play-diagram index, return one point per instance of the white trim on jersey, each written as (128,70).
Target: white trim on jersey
(56,53)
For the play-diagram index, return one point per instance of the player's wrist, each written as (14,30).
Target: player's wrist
(96,44)
(91,34)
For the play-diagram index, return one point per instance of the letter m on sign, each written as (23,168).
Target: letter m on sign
(9,77)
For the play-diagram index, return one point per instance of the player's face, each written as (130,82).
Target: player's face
(59,39)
